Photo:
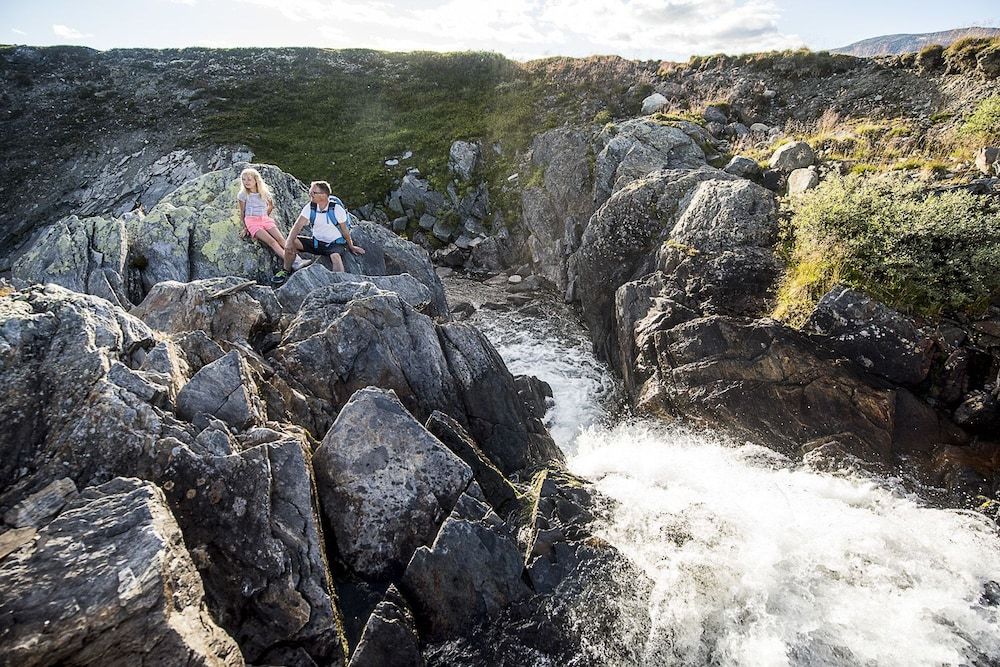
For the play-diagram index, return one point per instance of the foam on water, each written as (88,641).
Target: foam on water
(757,560)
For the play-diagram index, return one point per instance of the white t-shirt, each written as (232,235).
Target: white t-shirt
(323,230)
(255,205)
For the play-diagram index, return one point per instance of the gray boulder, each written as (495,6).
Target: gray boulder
(872,335)
(801,180)
(743,167)
(193,232)
(85,255)
(988,161)
(556,211)
(109,582)
(637,147)
(227,309)
(385,483)
(223,389)
(791,156)
(40,506)
(653,103)
(463,158)
(339,343)
(302,283)
(471,571)
(416,195)
(389,638)
(714,114)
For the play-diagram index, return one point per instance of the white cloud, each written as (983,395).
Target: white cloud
(65,32)
(18,32)
(190,3)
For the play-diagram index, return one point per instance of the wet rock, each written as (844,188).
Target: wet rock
(109,582)
(979,409)
(471,571)
(536,394)
(385,483)
(872,335)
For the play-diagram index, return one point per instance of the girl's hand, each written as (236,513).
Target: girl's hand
(243,232)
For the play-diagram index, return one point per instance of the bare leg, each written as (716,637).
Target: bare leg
(289,253)
(337,263)
(267,237)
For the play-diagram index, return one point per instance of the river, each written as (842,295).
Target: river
(756,559)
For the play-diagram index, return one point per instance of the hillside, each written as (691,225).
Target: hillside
(887,45)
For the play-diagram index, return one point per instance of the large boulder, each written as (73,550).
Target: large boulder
(389,638)
(301,283)
(194,231)
(463,158)
(766,381)
(108,582)
(637,147)
(791,156)
(556,211)
(385,483)
(874,336)
(471,571)
(223,389)
(229,309)
(84,255)
(653,103)
(339,343)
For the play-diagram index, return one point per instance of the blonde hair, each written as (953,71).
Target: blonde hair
(262,189)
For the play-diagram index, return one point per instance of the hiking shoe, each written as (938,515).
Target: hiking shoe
(300,263)
(280,276)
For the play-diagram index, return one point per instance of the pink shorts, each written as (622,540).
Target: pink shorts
(255,223)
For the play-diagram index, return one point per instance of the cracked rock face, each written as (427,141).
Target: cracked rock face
(385,483)
(108,582)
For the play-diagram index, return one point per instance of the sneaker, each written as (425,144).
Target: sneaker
(280,276)
(300,263)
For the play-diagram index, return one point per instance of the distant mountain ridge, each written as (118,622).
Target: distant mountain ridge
(888,45)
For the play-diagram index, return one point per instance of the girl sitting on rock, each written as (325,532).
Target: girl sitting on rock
(256,205)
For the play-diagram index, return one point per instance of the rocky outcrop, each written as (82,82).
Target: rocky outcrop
(340,343)
(385,483)
(389,638)
(108,582)
(302,283)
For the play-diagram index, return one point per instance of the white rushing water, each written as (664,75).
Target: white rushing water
(757,560)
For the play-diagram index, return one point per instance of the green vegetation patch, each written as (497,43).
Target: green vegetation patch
(919,252)
(339,115)
(983,124)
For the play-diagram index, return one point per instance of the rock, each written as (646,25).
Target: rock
(40,506)
(251,525)
(237,316)
(765,381)
(791,156)
(772,179)
(872,335)
(443,230)
(85,255)
(801,180)
(635,148)
(716,129)
(514,279)
(450,256)
(415,194)
(988,161)
(400,224)
(384,482)
(737,130)
(471,571)
(556,212)
(390,637)
(109,582)
(536,394)
(427,221)
(223,389)
(978,410)
(301,283)
(760,128)
(714,114)
(193,233)
(743,167)
(653,103)
(463,158)
(498,490)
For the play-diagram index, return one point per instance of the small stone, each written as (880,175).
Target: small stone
(514,279)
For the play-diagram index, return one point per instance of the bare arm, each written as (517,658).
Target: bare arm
(243,227)
(296,229)
(270,206)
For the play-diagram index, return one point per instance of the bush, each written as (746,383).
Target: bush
(920,253)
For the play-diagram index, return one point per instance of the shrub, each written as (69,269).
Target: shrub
(602,117)
(918,252)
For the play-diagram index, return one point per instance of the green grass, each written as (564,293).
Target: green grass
(983,124)
(341,123)
(920,253)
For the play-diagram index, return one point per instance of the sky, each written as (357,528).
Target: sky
(520,29)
